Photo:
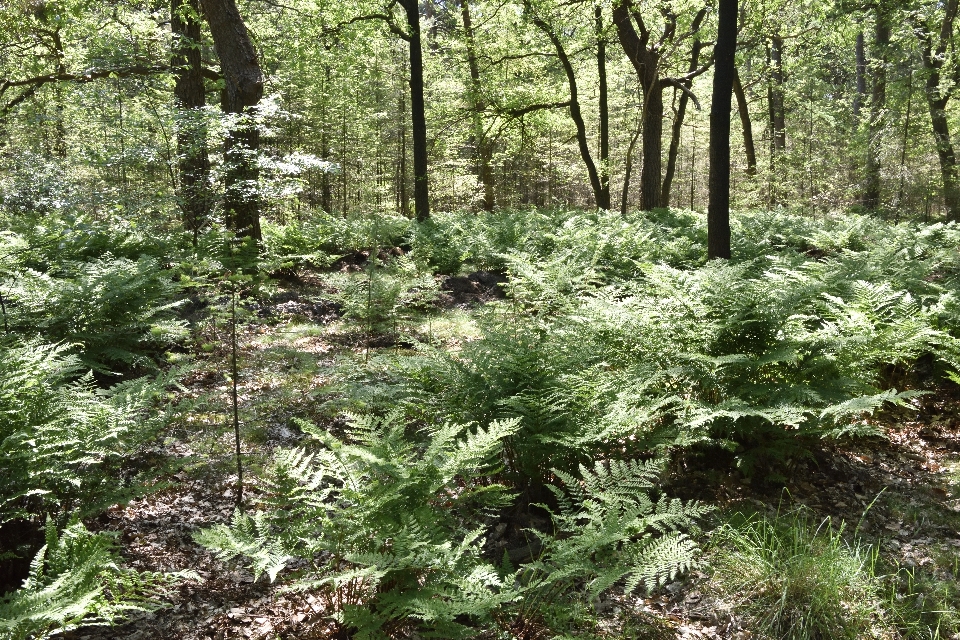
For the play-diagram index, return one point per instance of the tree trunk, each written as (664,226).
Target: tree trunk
(644,54)
(650,174)
(677,128)
(778,126)
(576,115)
(418,118)
(189,96)
(604,201)
(483,148)
(945,152)
(243,88)
(326,190)
(861,57)
(628,170)
(718,212)
(878,99)
(937,99)
(749,149)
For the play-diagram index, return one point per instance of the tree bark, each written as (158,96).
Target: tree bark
(934,56)
(575,114)
(718,212)
(878,99)
(674,151)
(189,95)
(243,89)
(483,148)
(749,148)
(778,126)
(418,118)
(604,111)
(861,57)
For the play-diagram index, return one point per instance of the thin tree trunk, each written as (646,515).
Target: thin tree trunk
(903,147)
(326,189)
(576,115)
(189,95)
(604,115)
(778,126)
(628,170)
(878,100)
(483,149)
(749,149)
(243,88)
(718,212)
(937,99)
(861,57)
(418,118)
(674,151)
(402,156)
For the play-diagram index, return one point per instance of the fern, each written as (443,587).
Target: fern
(62,439)
(383,524)
(75,580)
(120,311)
(608,529)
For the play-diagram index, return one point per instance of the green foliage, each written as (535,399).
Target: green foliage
(798,580)
(384,524)
(62,440)
(762,356)
(609,530)
(376,297)
(75,580)
(118,310)
(295,244)
(388,529)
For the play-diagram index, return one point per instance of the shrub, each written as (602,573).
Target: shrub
(608,531)
(390,530)
(377,297)
(762,357)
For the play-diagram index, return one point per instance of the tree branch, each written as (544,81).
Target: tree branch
(522,111)
(673,82)
(385,17)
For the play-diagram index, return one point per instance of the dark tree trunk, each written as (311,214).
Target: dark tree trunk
(483,148)
(243,88)
(861,57)
(576,115)
(650,174)
(778,119)
(749,149)
(326,191)
(644,55)
(718,213)
(628,171)
(878,99)
(604,201)
(674,151)
(934,55)
(418,118)
(189,95)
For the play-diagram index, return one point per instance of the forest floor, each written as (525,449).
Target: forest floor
(902,491)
